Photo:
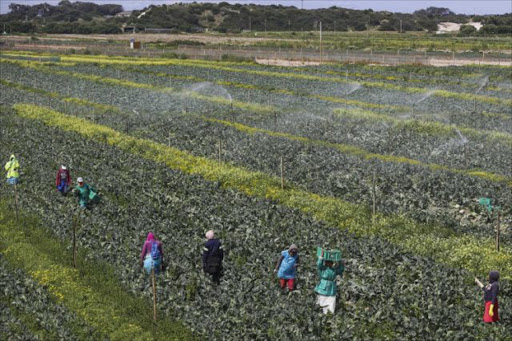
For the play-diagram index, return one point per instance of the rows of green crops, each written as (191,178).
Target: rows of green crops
(45,297)
(378,290)
(29,311)
(433,195)
(395,287)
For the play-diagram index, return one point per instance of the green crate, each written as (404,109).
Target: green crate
(484,201)
(332,255)
(487,203)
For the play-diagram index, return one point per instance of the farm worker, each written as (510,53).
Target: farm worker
(491,291)
(326,289)
(63,180)
(286,267)
(152,254)
(84,192)
(12,166)
(213,254)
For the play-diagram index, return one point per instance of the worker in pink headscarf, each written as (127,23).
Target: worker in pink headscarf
(152,254)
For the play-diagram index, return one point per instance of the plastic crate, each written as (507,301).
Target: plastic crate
(332,255)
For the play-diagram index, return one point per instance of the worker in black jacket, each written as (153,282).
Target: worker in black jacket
(212,257)
(491,291)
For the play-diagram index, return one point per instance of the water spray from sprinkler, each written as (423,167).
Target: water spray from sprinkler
(424,97)
(459,107)
(356,86)
(483,83)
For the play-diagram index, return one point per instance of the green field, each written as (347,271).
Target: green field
(386,163)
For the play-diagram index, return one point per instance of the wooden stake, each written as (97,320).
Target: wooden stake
(16,200)
(389,141)
(373,198)
(275,118)
(154,292)
(282,173)
(220,151)
(465,156)
(74,241)
(498,233)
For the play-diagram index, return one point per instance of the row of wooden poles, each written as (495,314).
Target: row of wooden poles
(374,193)
(281,166)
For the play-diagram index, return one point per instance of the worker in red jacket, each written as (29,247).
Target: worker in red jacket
(63,180)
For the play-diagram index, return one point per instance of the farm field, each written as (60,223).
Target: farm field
(378,41)
(385,163)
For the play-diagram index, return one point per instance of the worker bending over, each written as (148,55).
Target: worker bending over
(286,267)
(152,254)
(85,193)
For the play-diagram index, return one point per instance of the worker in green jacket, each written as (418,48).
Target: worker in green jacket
(85,193)
(326,289)
(12,167)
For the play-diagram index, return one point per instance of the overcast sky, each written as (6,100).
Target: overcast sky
(403,6)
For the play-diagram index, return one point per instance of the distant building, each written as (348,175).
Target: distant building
(124,14)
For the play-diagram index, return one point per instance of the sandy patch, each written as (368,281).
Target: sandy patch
(461,62)
(284,62)
(445,27)
(153,37)
(51,47)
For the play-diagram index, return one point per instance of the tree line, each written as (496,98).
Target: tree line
(84,17)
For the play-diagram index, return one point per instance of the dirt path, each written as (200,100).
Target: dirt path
(283,62)
(154,37)
(278,57)
(461,62)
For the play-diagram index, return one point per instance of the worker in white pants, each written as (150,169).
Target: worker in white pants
(326,289)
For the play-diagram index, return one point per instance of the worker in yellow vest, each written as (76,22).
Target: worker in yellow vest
(12,168)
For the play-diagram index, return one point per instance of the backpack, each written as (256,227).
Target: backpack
(155,252)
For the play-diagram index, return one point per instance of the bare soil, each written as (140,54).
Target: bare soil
(283,62)
(461,62)
(154,37)
(75,43)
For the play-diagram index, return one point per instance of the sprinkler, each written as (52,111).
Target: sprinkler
(356,87)
(425,96)
(483,83)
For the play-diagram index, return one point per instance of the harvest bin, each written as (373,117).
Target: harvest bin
(332,255)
